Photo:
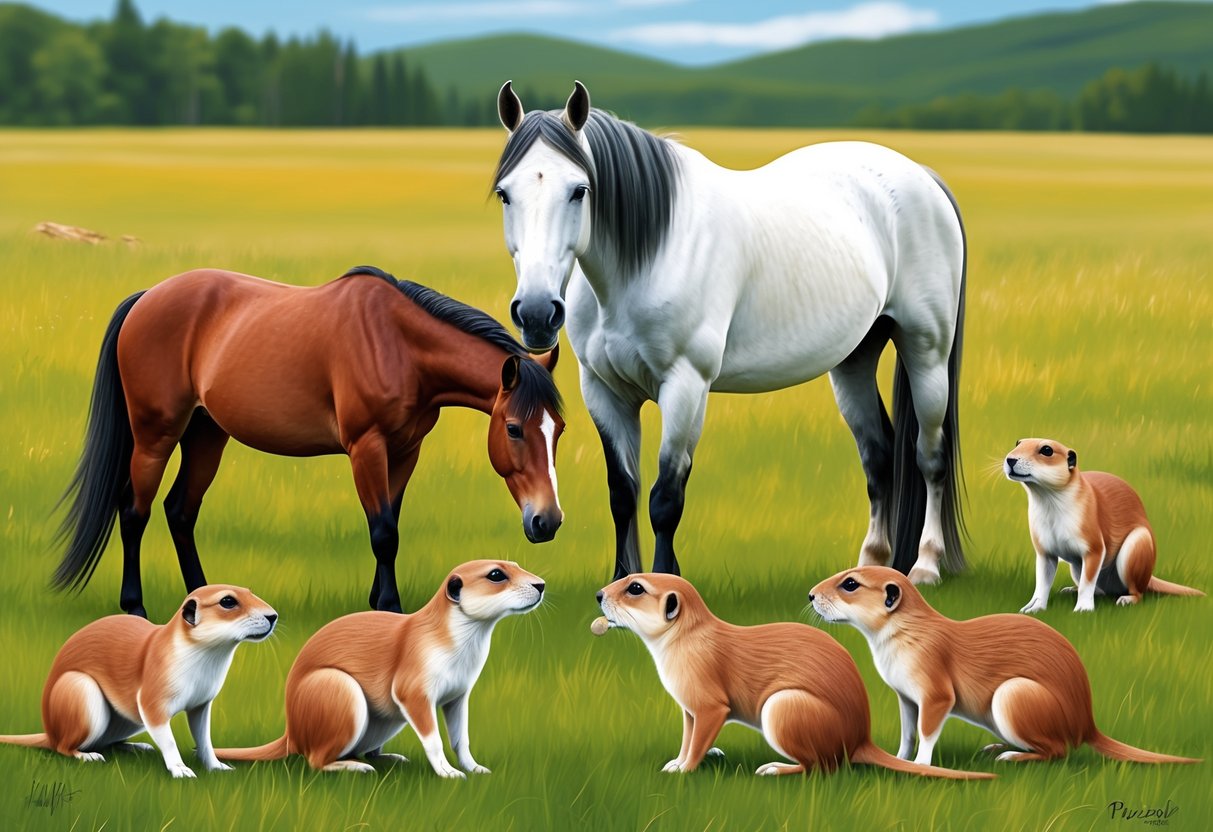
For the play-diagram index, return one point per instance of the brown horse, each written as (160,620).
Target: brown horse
(361,366)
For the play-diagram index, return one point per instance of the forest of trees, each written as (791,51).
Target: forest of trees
(127,71)
(1150,99)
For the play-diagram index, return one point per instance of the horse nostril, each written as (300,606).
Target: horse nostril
(557,319)
(599,596)
(514,313)
(537,524)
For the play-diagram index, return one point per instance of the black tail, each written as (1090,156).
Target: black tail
(909,488)
(104,469)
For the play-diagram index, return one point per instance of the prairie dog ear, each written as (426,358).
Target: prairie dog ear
(1071,459)
(454,587)
(509,373)
(190,612)
(892,596)
(577,108)
(672,606)
(548,359)
(509,107)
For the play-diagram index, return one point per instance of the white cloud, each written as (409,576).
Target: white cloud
(865,20)
(458,11)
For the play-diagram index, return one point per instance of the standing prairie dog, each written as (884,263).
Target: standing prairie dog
(1016,677)
(791,682)
(360,679)
(122,674)
(1095,522)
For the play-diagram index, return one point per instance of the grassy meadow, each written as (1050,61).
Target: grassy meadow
(1090,319)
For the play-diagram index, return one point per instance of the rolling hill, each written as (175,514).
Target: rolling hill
(828,83)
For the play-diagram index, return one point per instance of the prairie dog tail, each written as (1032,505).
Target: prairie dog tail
(873,755)
(1119,751)
(275,750)
(28,740)
(1167,588)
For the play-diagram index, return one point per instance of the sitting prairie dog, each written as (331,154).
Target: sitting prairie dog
(1016,677)
(791,682)
(360,679)
(1093,521)
(122,674)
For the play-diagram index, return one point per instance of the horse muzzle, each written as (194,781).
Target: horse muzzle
(541,526)
(538,321)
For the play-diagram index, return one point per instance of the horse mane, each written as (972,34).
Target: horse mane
(536,388)
(633,177)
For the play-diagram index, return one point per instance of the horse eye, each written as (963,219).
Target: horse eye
(850,584)
(496,576)
(228,602)
(635,588)
(513,430)
(579,193)
(503,196)
(1046,450)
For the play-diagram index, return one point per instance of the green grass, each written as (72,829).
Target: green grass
(1089,320)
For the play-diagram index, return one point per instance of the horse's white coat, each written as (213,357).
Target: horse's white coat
(766,279)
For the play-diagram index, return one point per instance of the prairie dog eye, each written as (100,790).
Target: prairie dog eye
(228,602)
(634,588)
(497,576)
(513,430)
(850,584)
(1046,450)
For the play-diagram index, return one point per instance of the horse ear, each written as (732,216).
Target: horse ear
(454,587)
(509,107)
(548,359)
(1071,459)
(892,596)
(577,108)
(190,612)
(510,371)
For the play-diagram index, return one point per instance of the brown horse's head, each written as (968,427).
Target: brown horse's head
(523,431)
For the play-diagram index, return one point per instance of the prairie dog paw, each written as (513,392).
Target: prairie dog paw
(476,768)
(1069,590)
(90,757)
(1034,606)
(217,766)
(672,765)
(181,770)
(1127,600)
(1085,606)
(450,772)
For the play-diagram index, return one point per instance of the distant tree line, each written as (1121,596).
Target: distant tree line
(1150,99)
(123,71)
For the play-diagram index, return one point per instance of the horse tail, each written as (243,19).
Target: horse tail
(909,488)
(104,468)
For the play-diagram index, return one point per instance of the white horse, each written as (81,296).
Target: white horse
(682,277)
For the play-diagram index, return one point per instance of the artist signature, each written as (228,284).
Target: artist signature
(50,796)
(1149,815)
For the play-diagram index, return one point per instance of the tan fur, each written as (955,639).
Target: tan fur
(1014,676)
(122,674)
(361,678)
(794,683)
(1093,521)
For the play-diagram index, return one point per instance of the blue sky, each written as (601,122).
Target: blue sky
(687,31)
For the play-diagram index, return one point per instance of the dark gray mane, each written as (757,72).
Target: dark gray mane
(536,388)
(633,177)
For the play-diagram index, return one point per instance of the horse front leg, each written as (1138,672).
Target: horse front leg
(618,423)
(683,400)
(368,459)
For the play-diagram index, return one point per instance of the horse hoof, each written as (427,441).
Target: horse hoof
(920,576)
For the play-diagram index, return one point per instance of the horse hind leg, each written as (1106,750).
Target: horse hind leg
(202,447)
(855,390)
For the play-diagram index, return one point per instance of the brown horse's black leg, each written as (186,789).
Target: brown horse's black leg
(396,504)
(385,541)
(131,526)
(202,447)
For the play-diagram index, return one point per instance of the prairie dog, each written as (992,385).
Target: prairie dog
(1095,522)
(360,679)
(791,682)
(122,674)
(1016,677)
